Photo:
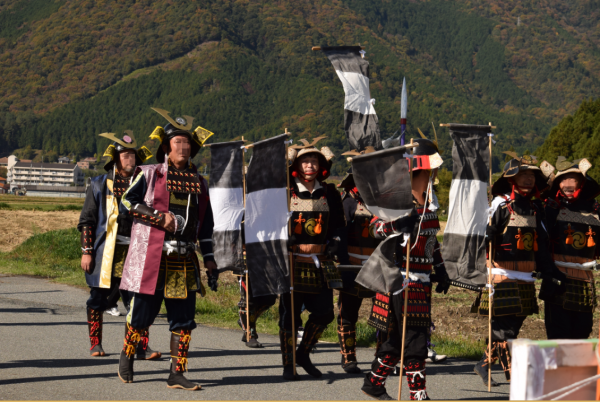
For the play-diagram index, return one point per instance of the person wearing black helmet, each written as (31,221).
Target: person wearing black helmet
(172,214)
(317,225)
(572,220)
(519,247)
(105,235)
(426,266)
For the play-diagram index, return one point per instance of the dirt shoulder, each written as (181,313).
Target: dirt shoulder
(18,226)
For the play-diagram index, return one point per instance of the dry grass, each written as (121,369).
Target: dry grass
(17,226)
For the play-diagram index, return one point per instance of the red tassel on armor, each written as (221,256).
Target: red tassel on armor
(520,241)
(319,225)
(298,228)
(569,233)
(590,240)
(535,244)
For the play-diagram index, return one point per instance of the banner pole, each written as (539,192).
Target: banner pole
(248,332)
(406,293)
(490,295)
(294,335)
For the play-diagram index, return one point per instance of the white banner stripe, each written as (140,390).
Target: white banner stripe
(266,215)
(358,94)
(228,208)
(468,208)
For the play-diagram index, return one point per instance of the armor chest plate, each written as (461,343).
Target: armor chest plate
(186,182)
(519,240)
(309,220)
(120,185)
(178,205)
(576,234)
(360,231)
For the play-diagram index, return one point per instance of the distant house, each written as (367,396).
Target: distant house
(64,159)
(4,162)
(89,159)
(84,165)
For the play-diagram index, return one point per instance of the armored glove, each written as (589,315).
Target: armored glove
(332,249)
(554,283)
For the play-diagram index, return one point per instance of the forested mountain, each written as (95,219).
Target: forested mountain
(72,69)
(575,137)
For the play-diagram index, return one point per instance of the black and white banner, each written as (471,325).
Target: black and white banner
(360,119)
(383,181)
(266,222)
(463,248)
(227,201)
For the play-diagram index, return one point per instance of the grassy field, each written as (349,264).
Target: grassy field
(55,255)
(25,203)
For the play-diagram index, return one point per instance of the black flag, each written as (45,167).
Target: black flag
(226,198)
(360,119)
(266,222)
(463,248)
(383,181)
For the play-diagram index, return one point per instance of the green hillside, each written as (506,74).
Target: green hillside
(74,69)
(576,136)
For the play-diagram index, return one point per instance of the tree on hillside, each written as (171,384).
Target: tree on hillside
(576,136)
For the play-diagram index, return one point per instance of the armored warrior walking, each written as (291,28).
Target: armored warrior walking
(361,244)
(105,236)
(425,259)
(172,213)
(574,228)
(317,224)
(519,247)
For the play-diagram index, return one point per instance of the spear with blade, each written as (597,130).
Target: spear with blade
(403,110)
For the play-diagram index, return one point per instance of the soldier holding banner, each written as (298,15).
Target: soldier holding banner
(425,258)
(520,247)
(317,226)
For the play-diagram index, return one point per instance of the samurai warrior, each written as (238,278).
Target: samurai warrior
(519,246)
(172,214)
(317,224)
(574,228)
(105,236)
(426,266)
(361,243)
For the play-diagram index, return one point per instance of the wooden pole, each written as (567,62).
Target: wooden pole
(490,297)
(294,335)
(248,332)
(405,294)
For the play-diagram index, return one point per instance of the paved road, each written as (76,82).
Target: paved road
(44,355)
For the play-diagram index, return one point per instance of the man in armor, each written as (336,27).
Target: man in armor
(425,258)
(574,229)
(105,236)
(317,224)
(519,245)
(171,210)
(361,244)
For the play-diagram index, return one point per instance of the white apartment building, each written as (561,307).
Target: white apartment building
(43,174)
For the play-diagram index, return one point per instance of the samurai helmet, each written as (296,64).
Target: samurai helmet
(589,188)
(178,126)
(519,164)
(324,154)
(347,182)
(126,142)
